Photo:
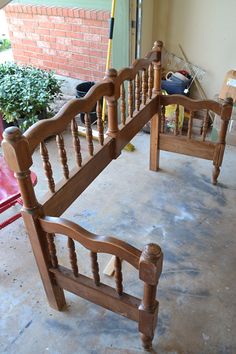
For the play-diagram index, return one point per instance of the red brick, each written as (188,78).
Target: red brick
(70,13)
(76,13)
(87,14)
(47,24)
(92,37)
(57,19)
(75,35)
(44,10)
(54,11)
(65,12)
(43,44)
(98,30)
(59,11)
(50,64)
(59,46)
(34,36)
(78,43)
(63,26)
(63,72)
(39,10)
(34,9)
(49,11)
(62,40)
(43,31)
(44,56)
(77,28)
(48,39)
(74,20)
(79,57)
(60,60)
(41,18)
(29,42)
(48,51)
(57,33)
(64,54)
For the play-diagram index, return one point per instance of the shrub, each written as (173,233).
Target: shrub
(26,93)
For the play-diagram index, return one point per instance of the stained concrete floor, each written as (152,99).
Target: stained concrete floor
(178,208)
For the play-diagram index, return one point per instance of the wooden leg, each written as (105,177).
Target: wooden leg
(215,174)
(154,144)
(55,294)
(110,267)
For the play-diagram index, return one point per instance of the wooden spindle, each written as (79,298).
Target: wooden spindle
(100,123)
(123,103)
(73,257)
(76,142)
(137,91)
(62,154)
(176,131)
(144,86)
(89,133)
(205,126)
(95,268)
(52,250)
(130,98)
(118,276)
(190,125)
(163,113)
(47,166)
(150,80)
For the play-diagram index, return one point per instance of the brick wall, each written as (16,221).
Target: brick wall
(71,41)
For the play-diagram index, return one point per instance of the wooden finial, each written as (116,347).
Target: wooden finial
(158,45)
(111,73)
(12,134)
(151,253)
(229,100)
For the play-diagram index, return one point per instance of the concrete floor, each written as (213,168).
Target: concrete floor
(178,208)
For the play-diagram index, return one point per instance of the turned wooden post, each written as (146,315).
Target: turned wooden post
(150,267)
(220,147)
(112,107)
(18,157)
(156,119)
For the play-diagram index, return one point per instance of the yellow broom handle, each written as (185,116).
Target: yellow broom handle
(109,51)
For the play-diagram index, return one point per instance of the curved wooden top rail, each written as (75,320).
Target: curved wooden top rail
(93,242)
(57,124)
(222,109)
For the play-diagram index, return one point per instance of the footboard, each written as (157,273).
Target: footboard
(148,263)
(175,140)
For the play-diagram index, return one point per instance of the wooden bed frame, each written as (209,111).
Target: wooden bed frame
(42,219)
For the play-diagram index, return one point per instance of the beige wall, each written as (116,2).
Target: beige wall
(206,29)
(147,26)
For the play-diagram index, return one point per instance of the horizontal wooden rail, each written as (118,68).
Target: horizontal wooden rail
(93,242)
(103,295)
(182,145)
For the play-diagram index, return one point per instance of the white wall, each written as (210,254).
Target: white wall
(206,29)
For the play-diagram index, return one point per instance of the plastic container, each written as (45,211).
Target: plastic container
(81,91)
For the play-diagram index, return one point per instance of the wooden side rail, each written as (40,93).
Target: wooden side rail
(149,263)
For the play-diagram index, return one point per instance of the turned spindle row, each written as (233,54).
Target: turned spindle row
(94,262)
(139,91)
(76,144)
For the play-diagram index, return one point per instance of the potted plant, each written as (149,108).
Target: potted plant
(26,94)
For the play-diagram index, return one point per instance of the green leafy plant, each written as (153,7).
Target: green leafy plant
(5,44)
(26,93)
